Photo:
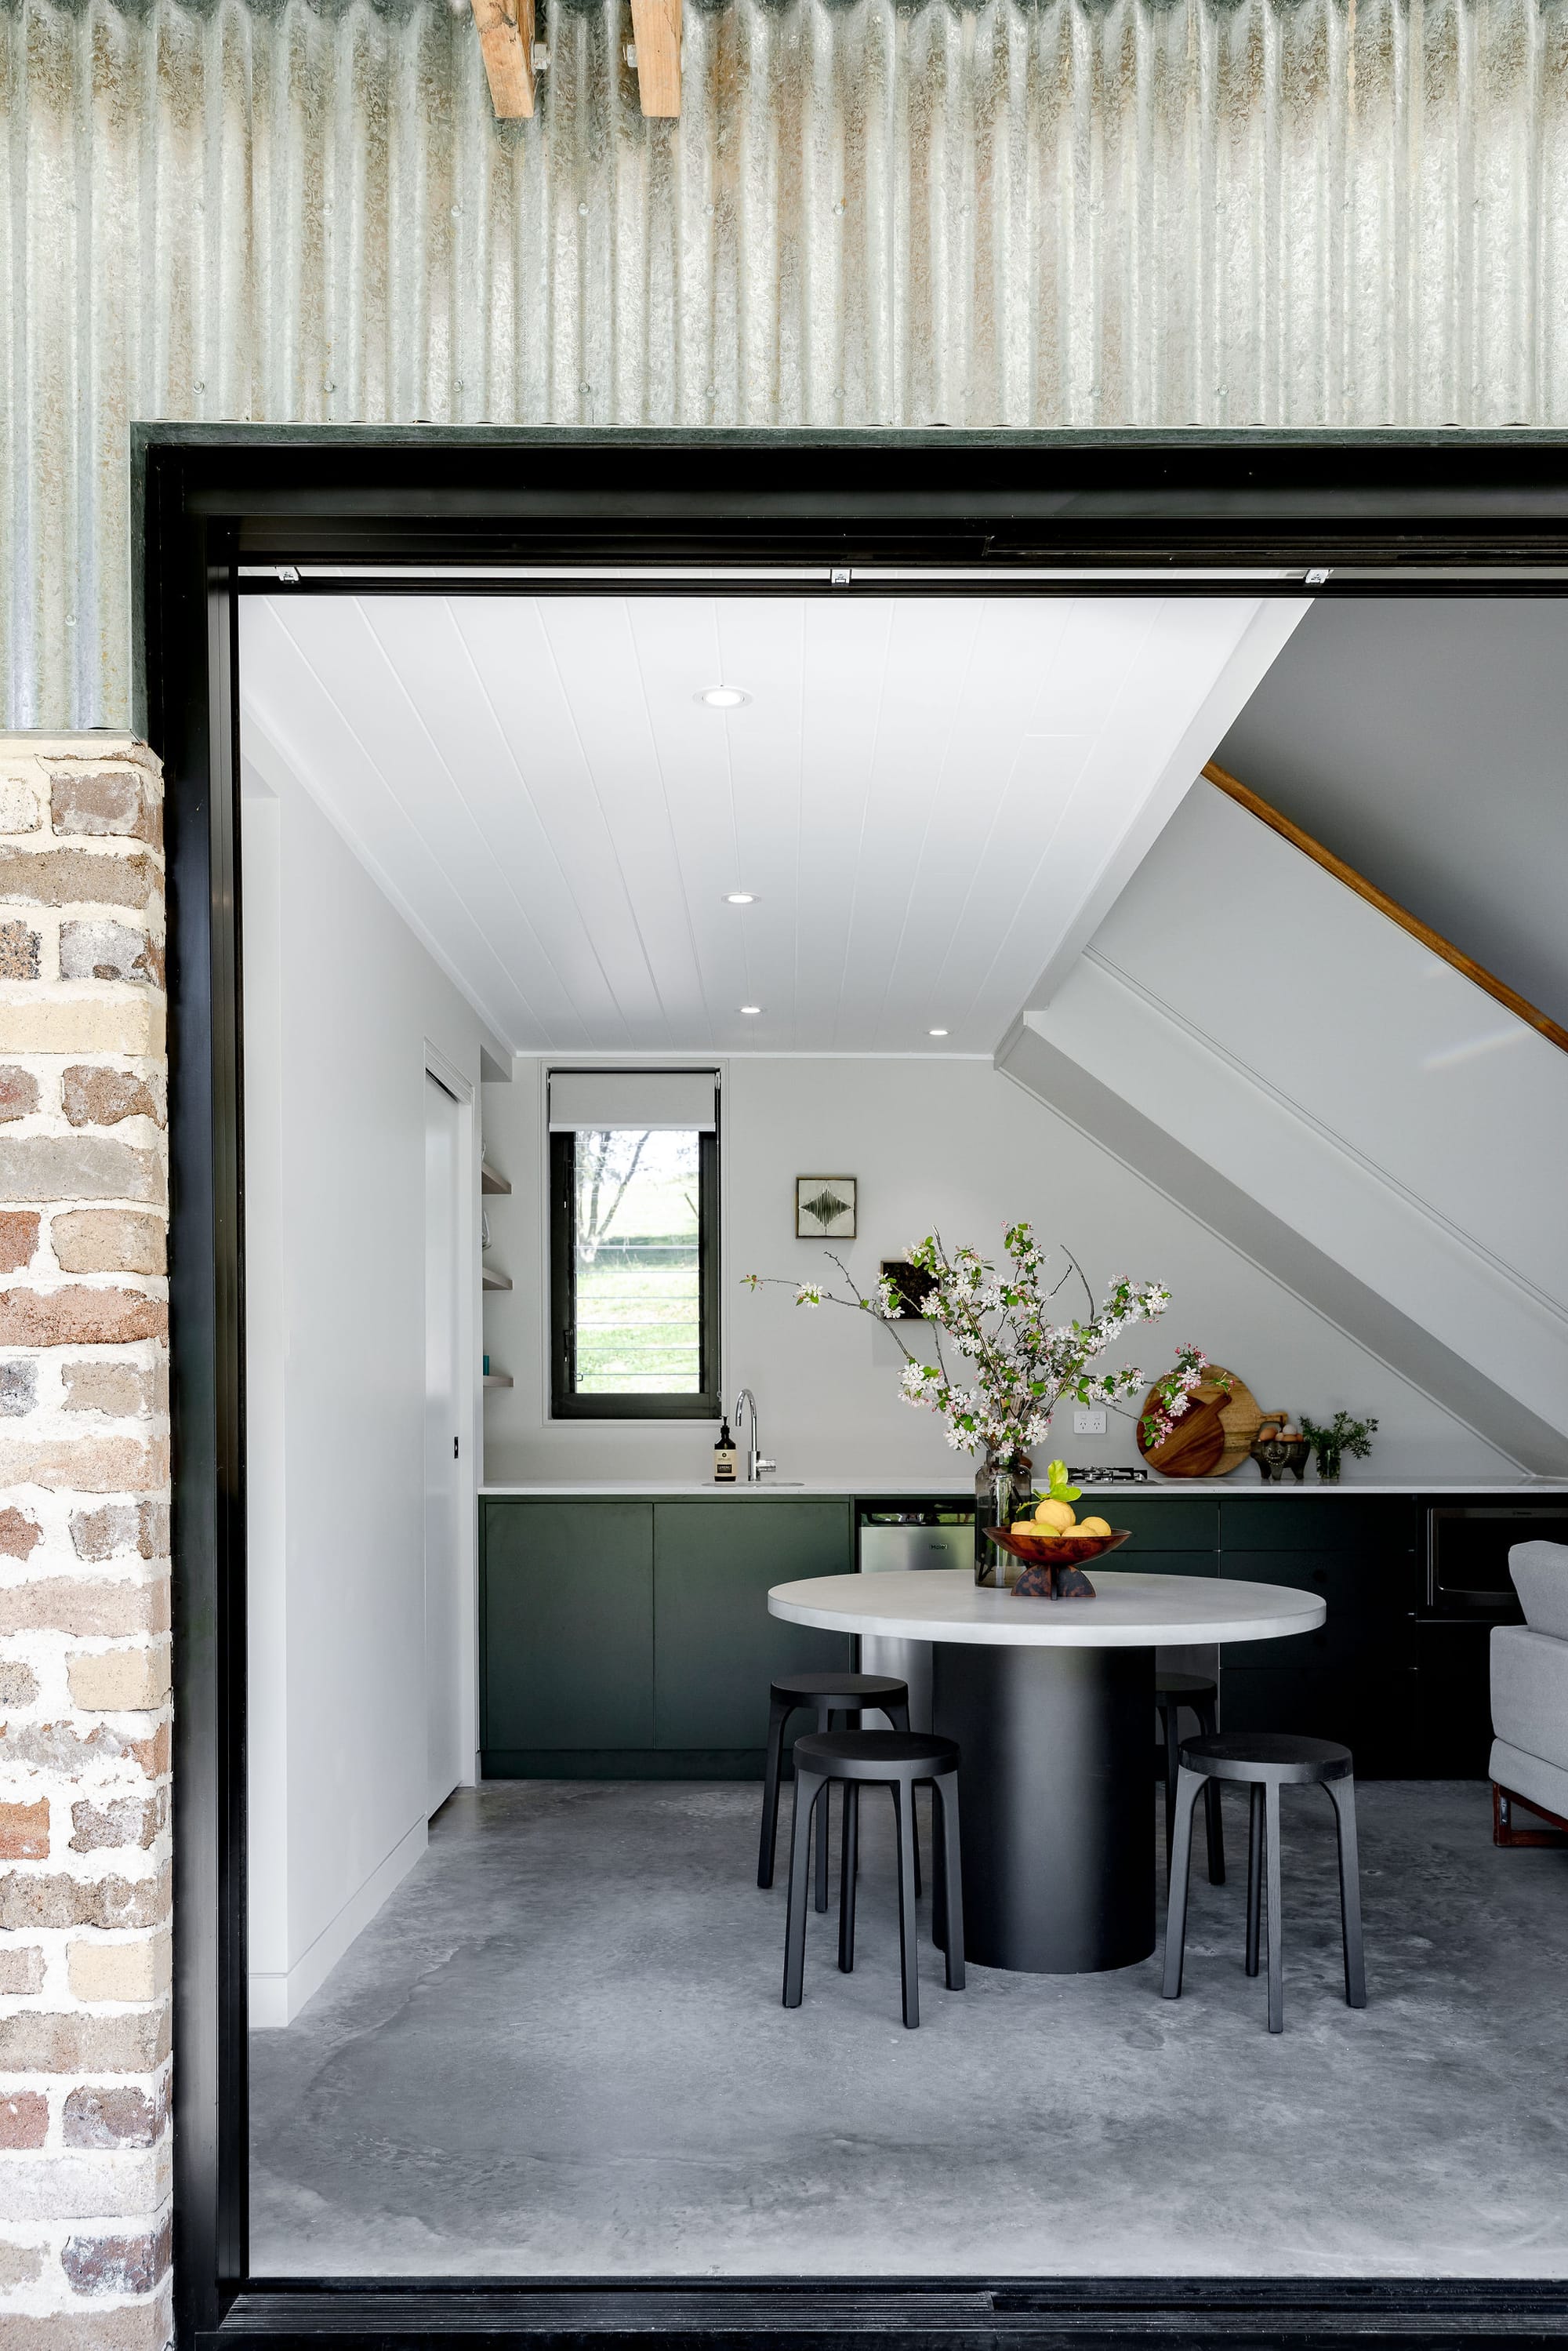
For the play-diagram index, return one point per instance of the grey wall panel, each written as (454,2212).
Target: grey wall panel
(1135,212)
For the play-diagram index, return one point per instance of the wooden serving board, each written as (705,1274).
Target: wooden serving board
(1213,1437)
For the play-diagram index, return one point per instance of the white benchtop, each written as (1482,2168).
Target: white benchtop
(896,1490)
(1127,1612)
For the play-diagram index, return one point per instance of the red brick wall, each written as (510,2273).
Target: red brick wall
(84,1571)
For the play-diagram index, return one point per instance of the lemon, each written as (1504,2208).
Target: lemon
(1056,1515)
(1022,1527)
(1093,1527)
(1045,1534)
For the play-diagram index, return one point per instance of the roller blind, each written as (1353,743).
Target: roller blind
(644,1099)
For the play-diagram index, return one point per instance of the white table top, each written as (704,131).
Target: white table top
(1128,1611)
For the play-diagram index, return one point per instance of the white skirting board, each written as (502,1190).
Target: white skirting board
(276,1999)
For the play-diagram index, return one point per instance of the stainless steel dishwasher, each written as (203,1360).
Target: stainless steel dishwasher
(894,1537)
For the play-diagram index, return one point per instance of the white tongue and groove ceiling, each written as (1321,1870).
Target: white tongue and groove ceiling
(933,799)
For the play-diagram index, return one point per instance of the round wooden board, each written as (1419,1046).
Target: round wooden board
(1215,1433)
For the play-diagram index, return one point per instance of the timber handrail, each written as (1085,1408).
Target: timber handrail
(1246,797)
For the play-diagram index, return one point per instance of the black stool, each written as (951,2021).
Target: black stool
(1196,1691)
(902,1761)
(1268,1760)
(829,1694)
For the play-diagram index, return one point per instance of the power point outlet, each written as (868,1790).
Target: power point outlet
(1088,1424)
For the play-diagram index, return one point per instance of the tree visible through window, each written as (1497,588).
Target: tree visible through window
(633,1211)
(639,1301)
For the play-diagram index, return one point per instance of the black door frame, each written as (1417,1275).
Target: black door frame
(954,512)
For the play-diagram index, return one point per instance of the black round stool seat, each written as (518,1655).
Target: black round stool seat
(901,1760)
(827,1694)
(867,1688)
(1187,1686)
(874,1754)
(1265,1762)
(1277,1756)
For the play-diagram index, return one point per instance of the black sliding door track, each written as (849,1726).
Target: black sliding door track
(226,511)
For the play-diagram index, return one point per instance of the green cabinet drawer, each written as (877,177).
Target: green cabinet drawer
(716,1647)
(1383,1524)
(1162,1521)
(1363,1601)
(1305,1699)
(1367,1711)
(568,1625)
(1161,1562)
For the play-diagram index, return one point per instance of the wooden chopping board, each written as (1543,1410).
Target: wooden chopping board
(1213,1437)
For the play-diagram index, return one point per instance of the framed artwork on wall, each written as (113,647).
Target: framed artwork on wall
(824,1207)
(914,1289)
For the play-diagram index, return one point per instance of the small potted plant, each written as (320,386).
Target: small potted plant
(1331,1445)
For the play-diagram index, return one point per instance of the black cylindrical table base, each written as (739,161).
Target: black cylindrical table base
(1056,1794)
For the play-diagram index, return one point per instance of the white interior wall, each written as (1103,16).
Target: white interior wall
(342,1005)
(946,1141)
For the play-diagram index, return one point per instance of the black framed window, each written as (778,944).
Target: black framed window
(633,1205)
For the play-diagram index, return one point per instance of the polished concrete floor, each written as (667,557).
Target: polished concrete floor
(559,2050)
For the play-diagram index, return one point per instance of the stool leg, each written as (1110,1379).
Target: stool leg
(778,1716)
(1276,1934)
(1254,1871)
(809,1786)
(908,1947)
(824,1723)
(849,1870)
(1342,1795)
(899,1717)
(1170,1713)
(1187,1785)
(951,1868)
(1214,1818)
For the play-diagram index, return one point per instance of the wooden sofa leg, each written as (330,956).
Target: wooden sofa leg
(1506,1830)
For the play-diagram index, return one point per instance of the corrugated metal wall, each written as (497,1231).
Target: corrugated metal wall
(1080,212)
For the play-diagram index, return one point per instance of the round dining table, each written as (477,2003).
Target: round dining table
(1052,1704)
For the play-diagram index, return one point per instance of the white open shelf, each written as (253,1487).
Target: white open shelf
(497,1379)
(489,1180)
(490,1280)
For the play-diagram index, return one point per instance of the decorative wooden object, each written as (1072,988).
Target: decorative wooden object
(1213,1437)
(656,30)
(506,29)
(1246,797)
(1554,1830)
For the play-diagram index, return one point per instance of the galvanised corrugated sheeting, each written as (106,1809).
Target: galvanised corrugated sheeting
(1080,212)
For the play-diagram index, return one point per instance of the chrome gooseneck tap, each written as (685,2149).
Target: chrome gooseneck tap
(755,1463)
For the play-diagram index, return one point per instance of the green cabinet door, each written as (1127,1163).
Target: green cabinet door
(568,1637)
(716,1647)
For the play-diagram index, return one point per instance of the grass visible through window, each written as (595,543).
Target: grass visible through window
(636,1236)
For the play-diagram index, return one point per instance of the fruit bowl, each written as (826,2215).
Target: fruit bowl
(1052,1564)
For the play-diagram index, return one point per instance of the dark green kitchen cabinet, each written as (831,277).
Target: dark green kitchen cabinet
(1347,1680)
(716,1647)
(567,1628)
(1159,1522)
(630,1638)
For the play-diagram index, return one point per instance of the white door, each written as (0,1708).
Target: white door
(444,1613)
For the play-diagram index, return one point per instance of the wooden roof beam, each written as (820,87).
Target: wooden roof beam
(656,33)
(505,30)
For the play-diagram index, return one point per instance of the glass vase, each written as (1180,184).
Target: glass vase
(1328,1469)
(1004,1490)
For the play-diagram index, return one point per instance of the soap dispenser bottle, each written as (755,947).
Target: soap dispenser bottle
(725,1458)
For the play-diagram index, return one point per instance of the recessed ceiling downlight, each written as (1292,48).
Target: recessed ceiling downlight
(740,897)
(722,697)
(751,1010)
(936,1032)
